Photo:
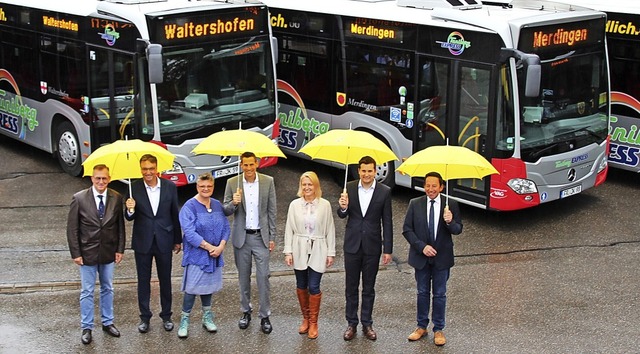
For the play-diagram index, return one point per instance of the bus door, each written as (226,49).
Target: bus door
(112,96)
(471,126)
(453,103)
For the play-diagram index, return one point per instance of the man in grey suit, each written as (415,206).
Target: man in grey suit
(369,232)
(153,207)
(251,198)
(96,237)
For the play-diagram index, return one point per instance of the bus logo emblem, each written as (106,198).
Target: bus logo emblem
(571,175)
(455,43)
(110,35)
(341,98)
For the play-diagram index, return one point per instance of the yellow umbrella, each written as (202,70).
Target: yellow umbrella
(236,142)
(451,162)
(123,158)
(347,146)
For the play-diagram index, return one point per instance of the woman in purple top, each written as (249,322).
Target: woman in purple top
(206,231)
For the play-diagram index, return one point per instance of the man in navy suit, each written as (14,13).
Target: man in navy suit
(428,227)
(153,206)
(369,232)
(96,236)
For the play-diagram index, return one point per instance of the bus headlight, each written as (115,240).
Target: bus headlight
(522,186)
(177,169)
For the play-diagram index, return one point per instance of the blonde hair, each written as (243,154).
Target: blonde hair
(313,177)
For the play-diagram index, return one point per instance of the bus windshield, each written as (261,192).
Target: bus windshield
(218,84)
(571,110)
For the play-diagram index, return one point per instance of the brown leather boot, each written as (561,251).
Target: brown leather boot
(314,310)
(303,299)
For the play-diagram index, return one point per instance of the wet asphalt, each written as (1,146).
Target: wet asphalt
(561,278)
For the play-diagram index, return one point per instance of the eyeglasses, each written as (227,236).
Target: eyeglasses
(209,186)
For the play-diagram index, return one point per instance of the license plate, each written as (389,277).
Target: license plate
(570,191)
(225,172)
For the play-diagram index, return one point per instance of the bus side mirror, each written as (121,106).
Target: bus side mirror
(533,72)
(532,69)
(154,58)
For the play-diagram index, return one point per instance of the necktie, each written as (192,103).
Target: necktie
(432,234)
(101,207)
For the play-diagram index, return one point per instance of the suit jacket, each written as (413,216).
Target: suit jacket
(267,200)
(96,240)
(415,230)
(164,227)
(373,231)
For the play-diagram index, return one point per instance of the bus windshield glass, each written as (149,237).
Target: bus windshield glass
(571,110)
(220,84)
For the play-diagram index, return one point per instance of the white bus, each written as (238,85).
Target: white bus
(524,86)
(623,43)
(77,74)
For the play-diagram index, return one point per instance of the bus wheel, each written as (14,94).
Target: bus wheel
(385,174)
(68,150)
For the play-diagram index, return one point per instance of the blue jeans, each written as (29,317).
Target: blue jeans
(426,279)
(190,299)
(308,278)
(88,282)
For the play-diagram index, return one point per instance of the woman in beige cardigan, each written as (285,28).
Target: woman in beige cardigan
(310,246)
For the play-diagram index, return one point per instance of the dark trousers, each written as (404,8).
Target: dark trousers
(308,279)
(144,263)
(355,266)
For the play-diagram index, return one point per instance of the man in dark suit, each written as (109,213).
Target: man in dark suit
(153,207)
(251,199)
(96,236)
(369,232)
(428,227)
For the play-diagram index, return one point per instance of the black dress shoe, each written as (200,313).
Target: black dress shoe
(86,336)
(143,327)
(168,325)
(349,333)
(111,330)
(265,325)
(245,320)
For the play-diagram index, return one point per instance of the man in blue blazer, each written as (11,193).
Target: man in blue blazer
(428,227)
(153,207)
(251,199)
(369,232)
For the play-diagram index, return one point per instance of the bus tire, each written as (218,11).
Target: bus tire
(68,149)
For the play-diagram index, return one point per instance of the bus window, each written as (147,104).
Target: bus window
(375,76)
(474,105)
(305,66)
(63,70)
(432,103)
(19,58)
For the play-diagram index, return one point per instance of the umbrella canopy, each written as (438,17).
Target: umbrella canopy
(452,162)
(123,158)
(236,142)
(348,146)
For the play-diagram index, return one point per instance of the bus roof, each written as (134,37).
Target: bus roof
(131,10)
(504,17)
(621,6)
